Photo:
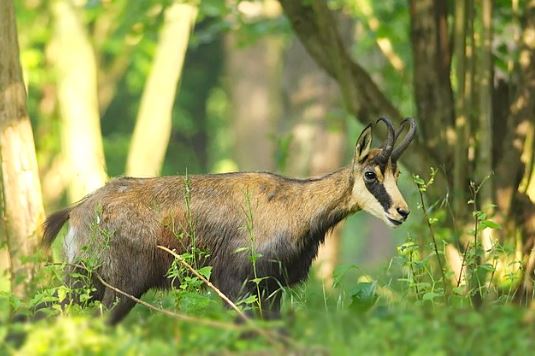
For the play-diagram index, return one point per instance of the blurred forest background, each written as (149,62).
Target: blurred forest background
(170,87)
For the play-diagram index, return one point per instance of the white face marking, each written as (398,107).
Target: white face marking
(69,245)
(365,200)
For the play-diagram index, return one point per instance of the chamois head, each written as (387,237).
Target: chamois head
(375,173)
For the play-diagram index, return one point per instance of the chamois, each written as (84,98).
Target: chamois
(123,222)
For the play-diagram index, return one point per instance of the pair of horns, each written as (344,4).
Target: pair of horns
(388,150)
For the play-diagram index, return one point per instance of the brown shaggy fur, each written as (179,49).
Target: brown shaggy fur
(123,222)
(289,217)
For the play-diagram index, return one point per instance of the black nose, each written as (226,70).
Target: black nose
(403,213)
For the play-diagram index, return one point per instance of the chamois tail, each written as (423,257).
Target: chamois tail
(53,224)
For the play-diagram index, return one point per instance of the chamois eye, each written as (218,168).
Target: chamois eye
(370,176)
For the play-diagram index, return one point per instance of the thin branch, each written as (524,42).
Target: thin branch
(275,339)
(183,317)
(207,282)
(178,316)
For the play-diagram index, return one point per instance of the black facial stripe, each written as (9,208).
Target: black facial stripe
(382,165)
(379,192)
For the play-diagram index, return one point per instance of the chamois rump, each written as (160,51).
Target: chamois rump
(123,222)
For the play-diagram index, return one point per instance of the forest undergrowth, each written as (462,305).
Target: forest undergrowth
(413,305)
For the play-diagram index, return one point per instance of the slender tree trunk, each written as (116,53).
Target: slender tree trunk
(461,111)
(318,140)
(75,66)
(22,207)
(153,126)
(485,85)
(253,77)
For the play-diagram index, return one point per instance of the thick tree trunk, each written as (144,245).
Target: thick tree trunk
(512,204)
(432,86)
(510,168)
(75,65)
(153,126)
(22,208)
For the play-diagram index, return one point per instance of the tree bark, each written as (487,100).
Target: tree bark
(485,85)
(22,207)
(75,66)
(432,86)
(510,168)
(153,125)
(462,121)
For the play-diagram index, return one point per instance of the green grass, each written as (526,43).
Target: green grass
(360,316)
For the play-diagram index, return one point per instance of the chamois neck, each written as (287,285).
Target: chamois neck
(328,200)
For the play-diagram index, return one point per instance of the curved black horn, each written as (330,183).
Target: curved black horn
(407,139)
(388,145)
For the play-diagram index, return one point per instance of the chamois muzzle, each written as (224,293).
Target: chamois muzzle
(411,124)
(388,145)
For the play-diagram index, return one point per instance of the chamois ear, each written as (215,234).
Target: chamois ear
(363,144)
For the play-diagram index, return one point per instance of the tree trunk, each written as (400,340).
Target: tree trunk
(153,126)
(510,168)
(317,135)
(512,204)
(462,121)
(432,86)
(22,207)
(253,76)
(485,85)
(75,66)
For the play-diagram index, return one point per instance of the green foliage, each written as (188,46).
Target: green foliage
(360,315)
(408,307)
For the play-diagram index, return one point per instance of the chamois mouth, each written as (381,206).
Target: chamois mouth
(394,222)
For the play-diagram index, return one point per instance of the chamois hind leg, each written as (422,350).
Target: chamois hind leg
(120,305)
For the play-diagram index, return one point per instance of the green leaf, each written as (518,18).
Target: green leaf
(206,272)
(340,271)
(433,221)
(363,296)
(430,296)
(241,249)
(258,280)
(418,180)
(249,300)
(62,293)
(491,224)
(486,267)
